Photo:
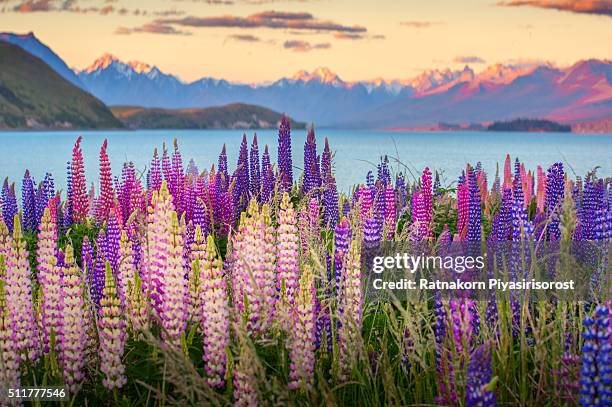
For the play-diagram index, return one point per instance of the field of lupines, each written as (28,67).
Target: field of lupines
(182,286)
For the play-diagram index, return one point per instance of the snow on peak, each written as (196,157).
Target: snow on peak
(103,62)
(321,74)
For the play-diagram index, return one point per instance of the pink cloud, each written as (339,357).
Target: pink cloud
(600,7)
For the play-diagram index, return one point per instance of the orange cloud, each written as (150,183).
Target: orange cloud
(419,24)
(304,46)
(469,59)
(600,7)
(151,28)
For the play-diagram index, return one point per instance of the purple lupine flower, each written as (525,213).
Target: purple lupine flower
(436,184)
(326,163)
(222,163)
(285,165)
(46,190)
(474,210)
(596,369)
(155,178)
(201,216)
(342,239)
(111,244)
(330,203)
(505,216)
(267,185)
(383,173)
(554,197)
(28,202)
(255,178)
(241,176)
(379,205)
(97,276)
(479,374)
(87,259)
(176,175)
(9,204)
(588,210)
(312,175)
(445,377)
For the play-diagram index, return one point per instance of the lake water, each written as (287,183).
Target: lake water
(356,152)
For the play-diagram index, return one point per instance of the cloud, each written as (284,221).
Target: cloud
(244,38)
(71,6)
(600,7)
(469,59)
(304,46)
(32,6)
(267,19)
(151,28)
(348,36)
(419,24)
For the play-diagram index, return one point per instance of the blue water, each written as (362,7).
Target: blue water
(356,152)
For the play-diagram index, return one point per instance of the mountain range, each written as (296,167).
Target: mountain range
(578,93)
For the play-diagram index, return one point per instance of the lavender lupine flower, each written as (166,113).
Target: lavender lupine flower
(241,176)
(383,173)
(326,162)
(553,199)
(505,216)
(463,314)
(9,204)
(255,176)
(474,210)
(364,197)
(176,175)
(126,267)
(302,334)
(445,377)
(390,212)
(49,278)
(19,295)
(112,243)
(330,203)
(97,273)
(349,331)
(285,165)
(268,181)
(28,202)
(78,201)
(197,256)
(312,175)
(288,255)
(379,205)
(479,374)
(215,310)
(342,239)
(87,259)
(400,188)
(596,370)
(72,337)
(10,376)
(371,239)
(111,328)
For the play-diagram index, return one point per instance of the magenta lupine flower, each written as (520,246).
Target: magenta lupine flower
(215,312)
(427,197)
(111,329)
(255,176)
(107,193)
(390,212)
(9,204)
(49,278)
(462,209)
(155,173)
(364,197)
(28,202)
(474,210)
(288,256)
(19,295)
(10,376)
(78,199)
(73,334)
(302,334)
(312,176)
(285,164)
(351,302)
(479,374)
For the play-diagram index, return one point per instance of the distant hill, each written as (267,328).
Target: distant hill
(34,96)
(532,125)
(31,44)
(233,116)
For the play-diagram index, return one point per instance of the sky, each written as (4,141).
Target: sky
(255,41)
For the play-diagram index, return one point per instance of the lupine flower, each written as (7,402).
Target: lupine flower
(136,307)
(197,254)
(28,202)
(342,239)
(255,176)
(9,204)
(222,162)
(73,334)
(389,211)
(111,328)
(384,175)
(19,295)
(241,176)
(247,374)
(126,267)
(111,246)
(445,377)
(507,172)
(10,376)
(107,194)
(155,177)
(288,255)
(267,185)
(330,203)
(371,239)
(97,276)
(596,370)
(78,200)
(474,210)
(505,216)
(285,165)
(215,310)
(312,175)
(554,189)
(462,209)
(326,162)
(364,197)
(49,278)
(302,334)
(349,331)
(479,375)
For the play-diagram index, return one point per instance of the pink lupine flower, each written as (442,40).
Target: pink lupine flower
(364,196)
(126,268)
(302,334)
(49,277)
(111,328)
(197,254)
(19,295)
(351,299)
(73,335)
(390,211)
(541,189)
(288,255)
(462,209)
(507,173)
(173,312)
(427,195)
(215,312)
(107,193)
(78,200)
(246,376)
(9,357)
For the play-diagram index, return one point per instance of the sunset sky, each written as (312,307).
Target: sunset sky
(260,40)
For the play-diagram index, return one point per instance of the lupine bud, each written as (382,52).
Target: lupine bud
(73,334)
(111,328)
(302,334)
(215,310)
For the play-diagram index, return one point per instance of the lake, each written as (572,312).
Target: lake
(356,151)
